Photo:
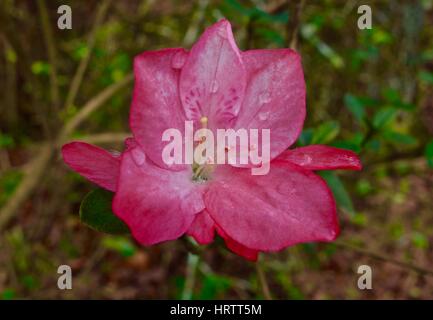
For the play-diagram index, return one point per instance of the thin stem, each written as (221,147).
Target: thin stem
(93,104)
(295,10)
(191,271)
(263,282)
(384,258)
(42,160)
(49,42)
(29,183)
(78,77)
(101,138)
(197,18)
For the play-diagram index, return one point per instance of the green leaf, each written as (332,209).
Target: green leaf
(341,195)
(399,138)
(41,68)
(120,245)
(393,98)
(239,7)
(429,154)
(8,294)
(257,13)
(95,211)
(426,77)
(391,95)
(373,145)
(349,145)
(213,286)
(305,137)
(419,240)
(309,32)
(9,181)
(355,106)
(271,35)
(11,55)
(6,141)
(326,132)
(383,117)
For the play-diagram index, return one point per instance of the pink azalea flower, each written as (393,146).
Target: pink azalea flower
(233,89)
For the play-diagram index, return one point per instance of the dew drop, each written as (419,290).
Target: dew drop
(115,153)
(264,97)
(178,60)
(138,156)
(306,160)
(264,115)
(214,86)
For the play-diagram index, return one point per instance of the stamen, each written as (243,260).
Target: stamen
(204,121)
(201,172)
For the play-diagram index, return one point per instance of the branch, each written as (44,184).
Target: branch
(192,265)
(381,257)
(49,42)
(263,283)
(197,18)
(92,105)
(102,138)
(42,160)
(416,155)
(295,10)
(26,187)
(78,77)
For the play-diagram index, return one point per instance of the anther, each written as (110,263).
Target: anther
(203,121)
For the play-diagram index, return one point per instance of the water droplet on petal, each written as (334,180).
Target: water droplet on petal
(214,86)
(306,160)
(115,153)
(138,156)
(264,97)
(264,115)
(178,60)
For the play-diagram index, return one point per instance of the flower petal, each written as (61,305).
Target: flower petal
(94,163)
(274,97)
(202,228)
(236,247)
(289,205)
(155,105)
(213,80)
(157,204)
(203,231)
(318,157)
